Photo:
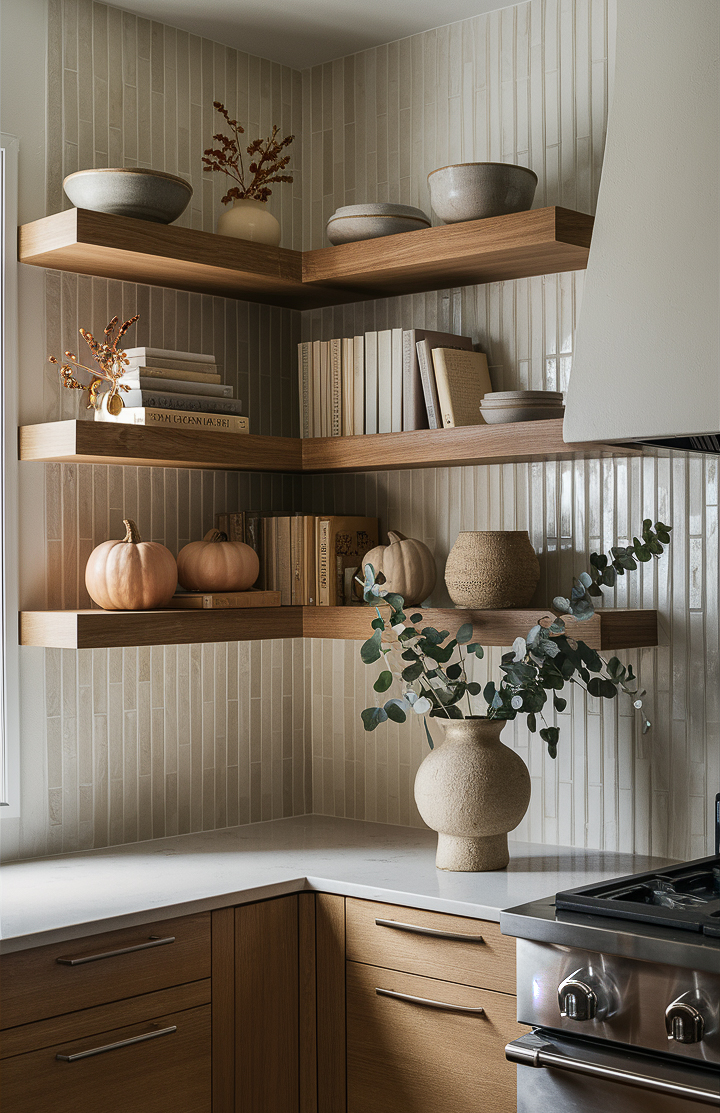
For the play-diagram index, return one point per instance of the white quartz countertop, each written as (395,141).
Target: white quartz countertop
(46,900)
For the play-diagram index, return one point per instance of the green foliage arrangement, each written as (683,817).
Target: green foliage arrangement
(431,667)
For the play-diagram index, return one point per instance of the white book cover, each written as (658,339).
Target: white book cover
(371,382)
(348,388)
(317,389)
(396,382)
(176,373)
(359,383)
(335,388)
(384,376)
(417,394)
(326,389)
(167,353)
(169,400)
(304,386)
(137,381)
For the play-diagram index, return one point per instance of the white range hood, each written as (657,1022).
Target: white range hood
(647,352)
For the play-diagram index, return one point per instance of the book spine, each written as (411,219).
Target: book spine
(371,382)
(148,360)
(159,400)
(426,371)
(323,562)
(446,414)
(384,381)
(309,560)
(168,353)
(241,599)
(296,559)
(304,355)
(396,384)
(236,526)
(348,388)
(179,419)
(325,389)
(317,389)
(200,377)
(176,386)
(359,384)
(284,559)
(335,388)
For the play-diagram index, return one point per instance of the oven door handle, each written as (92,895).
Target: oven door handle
(538,1057)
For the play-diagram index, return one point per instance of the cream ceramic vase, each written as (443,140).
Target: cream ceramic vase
(249,219)
(492,569)
(472,790)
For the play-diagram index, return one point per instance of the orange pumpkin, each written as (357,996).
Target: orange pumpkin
(216,564)
(131,575)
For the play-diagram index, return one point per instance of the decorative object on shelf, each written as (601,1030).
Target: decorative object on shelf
(407,565)
(130,191)
(502,406)
(248,219)
(492,569)
(131,574)
(217,565)
(472,790)
(434,680)
(351,223)
(112,364)
(475,190)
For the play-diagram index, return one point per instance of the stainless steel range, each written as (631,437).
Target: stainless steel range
(621,983)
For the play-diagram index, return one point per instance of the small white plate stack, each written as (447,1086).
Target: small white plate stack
(500,406)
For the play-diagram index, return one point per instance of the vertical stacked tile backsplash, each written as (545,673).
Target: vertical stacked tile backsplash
(147,742)
(527,84)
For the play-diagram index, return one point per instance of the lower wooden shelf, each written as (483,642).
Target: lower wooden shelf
(95,629)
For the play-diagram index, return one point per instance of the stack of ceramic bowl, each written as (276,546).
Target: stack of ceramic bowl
(367,222)
(500,406)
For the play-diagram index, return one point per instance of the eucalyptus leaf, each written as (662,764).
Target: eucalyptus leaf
(428,735)
(370,650)
(373,716)
(464,634)
(384,681)
(422,706)
(416,618)
(561,604)
(453,672)
(395,711)
(412,672)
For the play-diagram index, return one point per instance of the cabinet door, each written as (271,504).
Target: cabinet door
(403,1055)
(154,1066)
(266,1007)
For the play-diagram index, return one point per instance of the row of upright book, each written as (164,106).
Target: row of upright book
(175,390)
(390,381)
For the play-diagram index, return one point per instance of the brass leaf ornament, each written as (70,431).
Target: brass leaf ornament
(112,363)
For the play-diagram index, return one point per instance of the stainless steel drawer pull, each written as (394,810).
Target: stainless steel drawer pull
(153,941)
(114,1046)
(430,1004)
(536,1057)
(458,936)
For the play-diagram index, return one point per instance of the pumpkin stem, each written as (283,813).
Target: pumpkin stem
(215,535)
(394,536)
(132,533)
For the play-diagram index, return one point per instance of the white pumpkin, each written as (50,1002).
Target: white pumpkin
(407,565)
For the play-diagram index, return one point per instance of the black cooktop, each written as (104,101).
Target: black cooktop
(685,896)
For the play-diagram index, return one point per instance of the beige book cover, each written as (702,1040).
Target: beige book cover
(462,380)
(175,419)
(342,541)
(233,600)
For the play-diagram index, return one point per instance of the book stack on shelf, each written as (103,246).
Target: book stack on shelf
(390,381)
(312,559)
(175,389)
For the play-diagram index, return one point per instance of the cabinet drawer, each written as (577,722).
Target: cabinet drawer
(48,981)
(404,1055)
(161,1063)
(457,949)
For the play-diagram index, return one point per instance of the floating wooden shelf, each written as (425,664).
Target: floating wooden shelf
(99,442)
(541,241)
(607,629)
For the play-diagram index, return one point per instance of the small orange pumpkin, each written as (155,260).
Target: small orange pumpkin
(131,575)
(216,564)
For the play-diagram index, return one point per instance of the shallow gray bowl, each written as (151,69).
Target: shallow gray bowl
(368,222)
(474,190)
(500,415)
(143,194)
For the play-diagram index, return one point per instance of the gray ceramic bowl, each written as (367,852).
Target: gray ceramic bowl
(474,190)
(500,415)
(368,222)
(144,194)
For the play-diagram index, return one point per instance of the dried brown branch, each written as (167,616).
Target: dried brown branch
(264,170)
(112,363)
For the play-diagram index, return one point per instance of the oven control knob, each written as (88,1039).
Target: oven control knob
(577,1000)
(684,1023)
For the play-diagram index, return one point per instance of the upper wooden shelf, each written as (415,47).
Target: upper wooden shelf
(100,442)
(607,629)
(541,241)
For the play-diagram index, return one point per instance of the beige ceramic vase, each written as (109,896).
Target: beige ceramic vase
(249,219)
(472,790)
(492,569)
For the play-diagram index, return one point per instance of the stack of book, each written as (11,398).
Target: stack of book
(390,381)
(312,559)
(176,389)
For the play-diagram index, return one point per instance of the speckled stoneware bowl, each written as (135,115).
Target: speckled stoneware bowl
(474,190)
(143,194)
(367,222)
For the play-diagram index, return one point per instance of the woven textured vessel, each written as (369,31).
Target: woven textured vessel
(492,569)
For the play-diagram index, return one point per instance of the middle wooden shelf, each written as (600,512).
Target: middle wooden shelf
(96,629)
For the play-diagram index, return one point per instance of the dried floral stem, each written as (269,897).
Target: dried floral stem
(265,167)
(112,364)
